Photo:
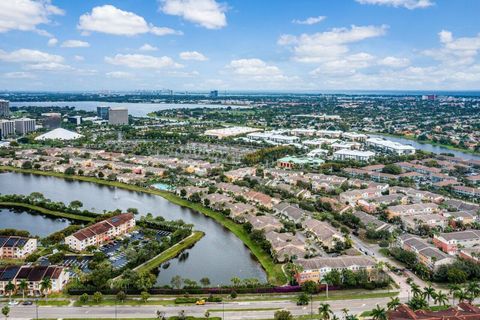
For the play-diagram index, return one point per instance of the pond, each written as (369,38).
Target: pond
(220,255)
(36,224)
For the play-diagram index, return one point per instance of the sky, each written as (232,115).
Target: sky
(261,45)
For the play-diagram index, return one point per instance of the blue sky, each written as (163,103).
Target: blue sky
(199,45)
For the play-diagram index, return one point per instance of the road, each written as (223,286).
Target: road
(355,306)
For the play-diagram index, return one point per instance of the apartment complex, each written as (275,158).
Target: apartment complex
(426,253)
(390,146)
(24,126)
(7,128)
(315,269)
(356,155)
(101,232)
(13,247)
(33,275)
(451,242)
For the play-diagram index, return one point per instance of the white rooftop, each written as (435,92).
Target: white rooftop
(59,134)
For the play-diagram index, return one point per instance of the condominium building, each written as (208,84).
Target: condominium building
(7,128)
(13,247)
(118,116)
(4,108)
(33,275)
(273,137)
(426,253)
(315,269)
(24,126)
(451,242)
(390,146)
(101,232)
(346,154)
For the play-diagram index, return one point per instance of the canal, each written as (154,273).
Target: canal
(220,255)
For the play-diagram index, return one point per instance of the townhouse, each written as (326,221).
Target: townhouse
(352,196)
(13,247)
(316,268)
(265,223)
(238,174)
(431,220)
(101,232)
(323,232)
(412,209)
(285,246)
(452,242)
(260,199)
(369,221)
(33,275)
(469,192)
(426,253)
(290,212)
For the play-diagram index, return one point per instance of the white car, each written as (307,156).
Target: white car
(13,303)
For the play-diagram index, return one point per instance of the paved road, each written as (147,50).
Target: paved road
(355,306)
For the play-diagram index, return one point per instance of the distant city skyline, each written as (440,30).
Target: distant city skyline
(239,45)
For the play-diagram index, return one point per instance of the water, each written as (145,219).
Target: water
(134,109)
(219,255)
(430,147)
(163,186)
(36,224)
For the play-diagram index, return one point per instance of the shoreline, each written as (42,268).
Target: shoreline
(46,212)
(274,272)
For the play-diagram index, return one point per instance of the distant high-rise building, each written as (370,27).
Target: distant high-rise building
(7,128)
(102,112)
(214,94)
(24,126)
(429,97)
(4,108)
(76,120)
(118,116)
(52,120)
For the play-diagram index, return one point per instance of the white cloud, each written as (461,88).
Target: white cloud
(140,61)
(26,15)
(52,42)
(111,20)
(119,75)
(192,55)
(394,62)
(79,58)
(148,47)
(207,13)
(455,51)
(256,69)
(19,75)
(48,66)
(29,56)
(310,20)
(347,65)
(409,4)
(75,44)
(329,45)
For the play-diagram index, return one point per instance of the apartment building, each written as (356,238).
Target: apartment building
(390,146)
(356,155)
(13,247)
(101,232)
(352,196)
(315,269)
(33,275)
(412,209)
(451,242)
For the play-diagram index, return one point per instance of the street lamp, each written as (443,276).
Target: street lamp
(36,307)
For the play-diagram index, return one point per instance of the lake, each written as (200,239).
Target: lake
(36,224)
(220,255)
(134,109)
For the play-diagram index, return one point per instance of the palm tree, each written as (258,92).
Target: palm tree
(473,289)
(462,295)
(379,313)
(441,298)
(10,287)
(324,311)
(45,286)
(454,290)
(415,288)
(393,303)
(345,312)
(23,285)
(429,292)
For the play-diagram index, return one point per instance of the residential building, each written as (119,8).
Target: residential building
(4,108)
(13,247)
(430,220)
(352,196)
(316,268)
(291,162)
(34,275)
(390,146)
(451,242)
(238,174)
(290,212)
(285,246)
(356,155)
(369,221)
(273,137)
(24,126)
(7,128)
(51,120)
(76,120)
(426,253)
(101,232)
(323,232)
(265,223)
(468,192)
(464,311)
(412,209)
(118,116)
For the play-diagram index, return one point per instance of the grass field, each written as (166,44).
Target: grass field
(274,271)
(46,212)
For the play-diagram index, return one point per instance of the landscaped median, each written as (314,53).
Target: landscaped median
(171,252)
(46,212)
(274,271)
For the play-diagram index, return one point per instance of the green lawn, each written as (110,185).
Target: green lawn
(55,303)
(46,212)
(171,252)
(245,309)
(274,271)
(128,302)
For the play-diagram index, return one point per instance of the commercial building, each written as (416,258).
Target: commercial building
(315,269)
(4,108)
(24,126)
(273,137)
(118,116)
(363,156)
(213,94)
(33,275)
(230,132)
(76,120)
(59,134)
(390,146)
(7,128)
(102,112)
(101,232)
(13,247)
